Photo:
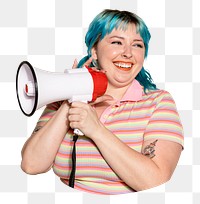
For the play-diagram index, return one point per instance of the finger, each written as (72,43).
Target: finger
(102,99)
(88,62)
(98,70)
(95,69)
(103,71)
(78,104)
(74,118)
(75,111)
(75,64)
(74,125)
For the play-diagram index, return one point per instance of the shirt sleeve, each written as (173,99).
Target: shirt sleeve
(49,111)
(165,122)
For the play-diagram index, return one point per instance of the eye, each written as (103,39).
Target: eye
(138,45)
(116,43)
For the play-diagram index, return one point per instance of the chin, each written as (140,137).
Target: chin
(122,83)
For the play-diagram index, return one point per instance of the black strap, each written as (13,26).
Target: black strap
(73,171)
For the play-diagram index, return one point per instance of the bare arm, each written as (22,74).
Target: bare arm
(39,151)
(139,171)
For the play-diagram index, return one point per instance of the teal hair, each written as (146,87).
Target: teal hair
(108,20)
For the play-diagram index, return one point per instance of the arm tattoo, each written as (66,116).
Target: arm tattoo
(149,150)
(37,128)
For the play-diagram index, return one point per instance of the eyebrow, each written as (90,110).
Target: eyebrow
(122,38)
(115,36)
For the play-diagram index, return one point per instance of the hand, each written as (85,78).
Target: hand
(83,116)
(87,63)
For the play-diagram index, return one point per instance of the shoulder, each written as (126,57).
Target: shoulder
(158,98)
(157,95)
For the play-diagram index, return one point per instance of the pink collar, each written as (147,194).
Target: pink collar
(133,93)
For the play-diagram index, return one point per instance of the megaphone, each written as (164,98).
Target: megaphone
(36,87)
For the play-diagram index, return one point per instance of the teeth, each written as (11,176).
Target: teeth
(123,65)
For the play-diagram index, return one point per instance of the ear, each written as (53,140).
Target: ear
(94,53)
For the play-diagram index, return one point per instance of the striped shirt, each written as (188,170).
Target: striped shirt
(136,118)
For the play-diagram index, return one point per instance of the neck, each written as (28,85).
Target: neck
(116,93)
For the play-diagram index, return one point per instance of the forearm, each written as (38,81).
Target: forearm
(40,150)
(135,169)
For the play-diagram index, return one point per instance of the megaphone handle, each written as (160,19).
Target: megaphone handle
(77,131)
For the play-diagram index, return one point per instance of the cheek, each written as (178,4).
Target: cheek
(106,56)
(140,58)
(114,52)
(109,53)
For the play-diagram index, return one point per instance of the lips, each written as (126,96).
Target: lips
(125,66)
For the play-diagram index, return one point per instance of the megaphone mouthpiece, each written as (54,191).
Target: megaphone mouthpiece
(30,89)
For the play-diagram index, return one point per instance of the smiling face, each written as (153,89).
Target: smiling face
(121,55)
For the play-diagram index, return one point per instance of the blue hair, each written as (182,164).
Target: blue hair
(108,20)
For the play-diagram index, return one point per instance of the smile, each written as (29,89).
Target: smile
(126,66)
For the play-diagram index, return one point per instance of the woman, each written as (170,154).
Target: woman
(132,136)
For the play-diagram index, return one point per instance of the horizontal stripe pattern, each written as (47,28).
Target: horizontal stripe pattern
(153,117)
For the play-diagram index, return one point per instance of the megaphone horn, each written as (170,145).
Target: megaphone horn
(25,74)
(36,88)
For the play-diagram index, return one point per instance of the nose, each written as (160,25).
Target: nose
(127,52)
